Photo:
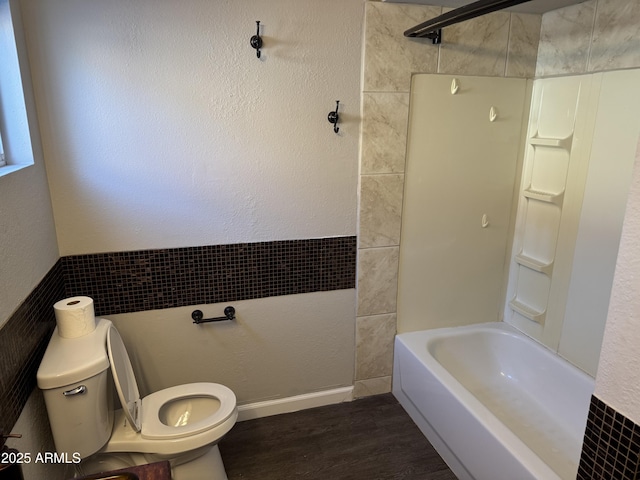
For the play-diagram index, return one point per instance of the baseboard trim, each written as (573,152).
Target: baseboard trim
(294,404)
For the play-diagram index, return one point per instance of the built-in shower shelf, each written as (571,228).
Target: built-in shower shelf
(533,264)
(552,142)
(555,198)
(527,311)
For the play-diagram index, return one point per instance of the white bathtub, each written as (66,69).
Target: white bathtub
(494,403)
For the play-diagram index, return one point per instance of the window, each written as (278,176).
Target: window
(16,151)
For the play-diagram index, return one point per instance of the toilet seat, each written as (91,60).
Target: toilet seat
(154,428)
(144,414)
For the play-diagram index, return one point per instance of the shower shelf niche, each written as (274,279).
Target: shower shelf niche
(534,264)
(555,198)
(527,311)
(552,169)
(564,143)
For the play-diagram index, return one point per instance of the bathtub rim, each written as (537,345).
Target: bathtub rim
(508,440)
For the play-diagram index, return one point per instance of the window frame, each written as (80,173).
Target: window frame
(16,149)
(3,160)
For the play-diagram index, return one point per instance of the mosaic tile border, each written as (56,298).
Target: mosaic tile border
(123,282)
(23,340)
(611,445)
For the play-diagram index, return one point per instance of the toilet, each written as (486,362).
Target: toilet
(182,424)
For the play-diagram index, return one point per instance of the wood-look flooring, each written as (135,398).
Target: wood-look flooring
(368,439)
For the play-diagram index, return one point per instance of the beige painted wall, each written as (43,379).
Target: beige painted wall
(618,377)
(277,347)
(27,232)
(162,129)
(29,248)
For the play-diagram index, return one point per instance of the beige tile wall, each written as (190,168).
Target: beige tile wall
(594,36)
(499,44)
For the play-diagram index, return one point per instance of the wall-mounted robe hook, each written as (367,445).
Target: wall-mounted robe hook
(493,114)
(333,117)
(256,41)
(455,86)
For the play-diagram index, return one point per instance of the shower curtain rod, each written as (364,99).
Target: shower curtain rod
(433,28)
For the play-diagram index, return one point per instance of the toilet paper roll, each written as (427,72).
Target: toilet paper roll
(75,316)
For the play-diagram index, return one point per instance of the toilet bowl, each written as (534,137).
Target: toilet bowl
(182,424)
(185,410)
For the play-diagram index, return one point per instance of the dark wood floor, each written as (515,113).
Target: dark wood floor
(367,439)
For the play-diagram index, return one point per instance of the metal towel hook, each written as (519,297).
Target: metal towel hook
(256,41)
(333,117)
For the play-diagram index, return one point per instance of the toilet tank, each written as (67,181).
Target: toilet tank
(75,379)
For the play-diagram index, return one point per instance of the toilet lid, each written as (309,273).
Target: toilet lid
(124,379)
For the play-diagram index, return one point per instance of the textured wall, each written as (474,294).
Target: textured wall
(618,378)
(162,129)
(29,251)
(274,348)
(27,232)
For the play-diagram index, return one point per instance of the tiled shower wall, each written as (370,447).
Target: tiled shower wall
(594,36)
(122,282)
(502,44)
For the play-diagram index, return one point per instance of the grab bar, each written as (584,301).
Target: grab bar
(198,316)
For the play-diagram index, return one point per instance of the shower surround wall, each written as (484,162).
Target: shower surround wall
(500,44)
(597,36)
(592,36)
